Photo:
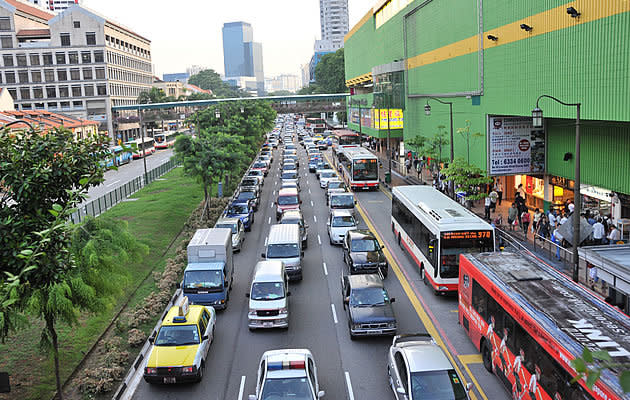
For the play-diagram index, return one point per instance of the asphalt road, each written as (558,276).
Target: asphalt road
(125,173)
(347,369)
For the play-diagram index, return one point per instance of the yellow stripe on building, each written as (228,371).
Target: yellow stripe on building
(359,24)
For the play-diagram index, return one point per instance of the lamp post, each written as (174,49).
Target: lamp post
(427,111)
(144,154)
(537,122)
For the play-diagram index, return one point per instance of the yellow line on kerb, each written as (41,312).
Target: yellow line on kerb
(415,302)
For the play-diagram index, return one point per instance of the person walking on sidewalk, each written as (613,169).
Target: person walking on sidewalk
(487,205)
(537,216)
(494,197)
(598,232)
(512,215)
(525,219)
(408,164)
(419,170)
(543,228)
(499,189)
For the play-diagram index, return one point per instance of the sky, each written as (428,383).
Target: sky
(188,32)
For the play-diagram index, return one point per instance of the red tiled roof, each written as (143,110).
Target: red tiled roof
(34,32)
(198,89)
(25,8)
(48,119)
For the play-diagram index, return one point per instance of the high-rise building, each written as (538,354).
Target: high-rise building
(333,16)
(55,5)
(242,57)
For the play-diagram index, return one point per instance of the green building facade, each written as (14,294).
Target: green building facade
(492,59)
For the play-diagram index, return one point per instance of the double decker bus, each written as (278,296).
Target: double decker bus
(344,139)
(435,230)
(316,125)
(359,168)
(529,321)
(141,147)
(165,140)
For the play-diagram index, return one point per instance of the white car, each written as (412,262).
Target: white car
(415,363)
(287,374)
(326,175)
(340,222)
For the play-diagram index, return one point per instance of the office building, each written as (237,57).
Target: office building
(333,16)
(242,57)
(195,69)
(287,82)
(77,62)
(55,5)
(176,77)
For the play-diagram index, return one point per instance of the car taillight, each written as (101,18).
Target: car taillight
(188,370)
(150,371)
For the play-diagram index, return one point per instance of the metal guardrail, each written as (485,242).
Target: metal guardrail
(98,206)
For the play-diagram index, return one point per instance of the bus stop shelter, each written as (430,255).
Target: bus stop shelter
(613,266)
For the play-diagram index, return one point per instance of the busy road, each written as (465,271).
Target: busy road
(347,369)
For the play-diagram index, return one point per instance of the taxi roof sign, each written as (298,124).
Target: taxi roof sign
(183,307)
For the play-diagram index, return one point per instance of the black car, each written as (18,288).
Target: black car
(368,305)
(363,254)
(249,193)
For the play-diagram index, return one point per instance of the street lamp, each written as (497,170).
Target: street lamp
(427,111)
(537,122)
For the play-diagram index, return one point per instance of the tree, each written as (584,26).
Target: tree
(467,135)
(309,89)
(330,73)
(591,364)
(434,147)
(200,96)
(467,178)
(416,143)
(208,79)
(280,93)
(155,95)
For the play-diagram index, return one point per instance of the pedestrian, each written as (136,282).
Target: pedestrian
(537,216)
(557,238)
(520,206)
(520,190)
(498,221)
(598,232)
(525,219)
(614,236)
(571,207)
(494,197)
(512,215)
(487,205)
(408,165)
(552,218)
(499,190)
(563,219)
(543,228)
(419,169)
(592,275)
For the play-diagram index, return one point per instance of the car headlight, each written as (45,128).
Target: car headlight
(252,313)
(283,310)
(383,264)
(391,324)
(442,288)
(245,219)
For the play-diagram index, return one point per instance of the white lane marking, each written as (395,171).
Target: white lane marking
(319,240)
(349,385)
(309,191)
(275,182)
(269,221)
(315,218)
(312,205)
(241,390)
(332,306)
(274,193)
(271,205)
(325,269)
(266,241)
(113,183)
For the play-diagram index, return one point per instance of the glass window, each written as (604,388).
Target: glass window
(38,92)
(203,279)
(73,57)
(26,106)
(36,76)
(76,91)
(283,250)
(100,73)
(13,93)
(90,38)
(98,57)
(88,90)
(480,300)
(87,73)
(48,59)
(362,245)
(8,60)
(457,242)
(25,93)
(39,106)
(49,75)
(76,24)
(23,76)
(101,90)
(9,77)
(292,388)
(62,74)
(86,57)
(63,91)
(52,106)
(77,104)
(51,92)
(5,24)
(267,291)
(75,74)
(61,58)
(177,335)
(7,42)
(65,104)
(65,39)
(21,60)
(34,59)
(437,385)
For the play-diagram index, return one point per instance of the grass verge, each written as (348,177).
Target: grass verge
(155,218)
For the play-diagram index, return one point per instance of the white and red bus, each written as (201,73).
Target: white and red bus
(316,125)
(435,230)
(344,139)
(165,140)
(529,321)
(141,147)
(359,168)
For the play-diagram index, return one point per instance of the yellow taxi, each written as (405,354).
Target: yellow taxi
(180,347)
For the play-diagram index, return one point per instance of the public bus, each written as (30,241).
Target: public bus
(119,156)
(316,125)
(359,168)
(141,147)
(165,140)
(343,139)
(529,321)
(435,230)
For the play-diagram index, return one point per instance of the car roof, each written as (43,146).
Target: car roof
(424,356)
(192,316)
(340,193)
(341,213)
(288,192)
(267,271)
(292,214)
(228,220)
(365,281)
(361,234)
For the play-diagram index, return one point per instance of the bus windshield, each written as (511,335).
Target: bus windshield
(452,244)
(347,140)
(364,170)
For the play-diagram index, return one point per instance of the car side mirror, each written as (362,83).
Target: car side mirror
(204,337)
(263,255)
(152,339)
(392,300)
(246,294)
(178,285)
(321,394)
(399,390)
(469,386)
(346,300)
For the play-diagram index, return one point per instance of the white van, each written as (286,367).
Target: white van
(285,244)
(268,296)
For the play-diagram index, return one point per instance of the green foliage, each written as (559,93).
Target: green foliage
(310,89)
(155,95)
(208,79)
(200,96)
(280,93)
(416,143)
(592,363)
(330,73)
(467,178)
(435,147)
(468,137)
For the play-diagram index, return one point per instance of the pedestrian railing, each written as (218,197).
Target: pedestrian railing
(98,206)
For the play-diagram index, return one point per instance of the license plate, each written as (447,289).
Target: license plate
(267,324)
(205,292)
(375,332)
(169,379)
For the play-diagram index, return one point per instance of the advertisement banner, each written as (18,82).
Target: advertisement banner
(396,120)
(515,146)
(366,117)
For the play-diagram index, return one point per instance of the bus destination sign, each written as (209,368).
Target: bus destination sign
(464,235)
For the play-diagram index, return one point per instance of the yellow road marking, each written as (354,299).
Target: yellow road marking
(470,358)
(454,310)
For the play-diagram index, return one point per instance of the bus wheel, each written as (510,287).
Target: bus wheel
(485,356)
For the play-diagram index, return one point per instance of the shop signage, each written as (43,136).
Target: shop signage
(515,146)
(395,118)
(596,192)
(561,182)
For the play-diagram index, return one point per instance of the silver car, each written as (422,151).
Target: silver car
(418,368)
(340,222)
(238,231)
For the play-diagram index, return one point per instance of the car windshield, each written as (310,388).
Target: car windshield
(289,175)
(290,250)
(343,221)
(208,279)
(291,220)
(371,296)
(287,200)
(335,185)
(327,174)
(267,291)
(238,209)
(437,385)
(342,201)
(177,335)
(255,172)
(228,226)
(260,165)
(287,389)
(289,166)
(246,195)
(364,245)
(249,182)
